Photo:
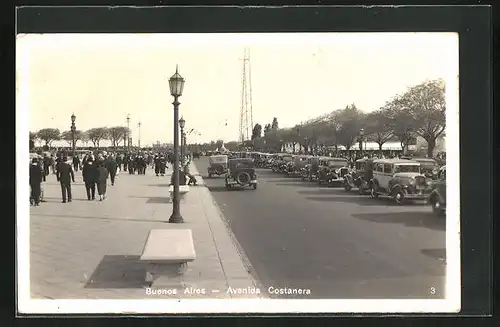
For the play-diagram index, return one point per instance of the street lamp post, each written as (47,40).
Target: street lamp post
(176,83)
(182,123)
(73,131)
(361,136)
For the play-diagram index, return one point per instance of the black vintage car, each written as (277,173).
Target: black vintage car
(241,172)
(360,177)
(331,171)
(437,197)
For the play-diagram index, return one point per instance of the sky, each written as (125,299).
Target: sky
(294,76)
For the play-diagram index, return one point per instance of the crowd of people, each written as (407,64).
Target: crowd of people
(97,168)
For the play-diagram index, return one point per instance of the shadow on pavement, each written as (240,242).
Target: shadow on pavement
(410,219)
(303,184)
(439,254)
(285,180)
(53,215)
(153,199)
(118,271)
(51,200)
(323,190)
(364,200)
(216,189)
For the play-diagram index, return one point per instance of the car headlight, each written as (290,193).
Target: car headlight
(412,181)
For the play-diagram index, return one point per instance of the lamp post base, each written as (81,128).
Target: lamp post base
(176,219)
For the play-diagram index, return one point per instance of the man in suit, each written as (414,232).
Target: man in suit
(76,162)
(111,166)
(36,176)
(90,176)
(65,175)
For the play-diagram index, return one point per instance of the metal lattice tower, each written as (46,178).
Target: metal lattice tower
(246,110)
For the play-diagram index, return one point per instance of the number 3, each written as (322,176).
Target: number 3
(433,290)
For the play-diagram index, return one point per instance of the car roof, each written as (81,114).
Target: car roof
(423,159)
(241,159)
(219,156)
(397,161)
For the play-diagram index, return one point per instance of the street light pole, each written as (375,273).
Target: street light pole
(73,131)
(139,139)
(127,143)
(176,83)
(361,135)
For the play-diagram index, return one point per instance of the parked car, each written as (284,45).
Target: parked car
(360,176)
(331,170)
(217,165)
(299,162)
(437,197)
(428,166)
(280,162)
(241,172)
(400,179)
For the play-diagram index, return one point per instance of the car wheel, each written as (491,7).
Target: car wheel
(373,193)
(399,197)
(437,209)
(347,187)
(254,186)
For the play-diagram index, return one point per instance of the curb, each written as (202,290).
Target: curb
(239,249)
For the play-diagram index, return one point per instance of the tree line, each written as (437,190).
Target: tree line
(116,135)
(418,112)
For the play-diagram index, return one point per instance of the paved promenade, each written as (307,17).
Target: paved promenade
(91,249)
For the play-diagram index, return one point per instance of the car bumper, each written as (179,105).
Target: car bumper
(252,182)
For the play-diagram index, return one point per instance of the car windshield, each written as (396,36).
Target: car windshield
(243,164)
(407,169)
(337,163)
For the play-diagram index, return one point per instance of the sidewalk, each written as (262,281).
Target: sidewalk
(91,249)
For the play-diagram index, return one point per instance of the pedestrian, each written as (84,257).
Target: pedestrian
(119,161)
(47,162)
(192,179)
(65,175)
(163,165)
(112,167)
(102,181)
(90,177)
(36,177)
(157,164)
(76,162)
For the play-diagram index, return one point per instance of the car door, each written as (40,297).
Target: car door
(388,171)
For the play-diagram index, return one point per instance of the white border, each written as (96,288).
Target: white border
(452,300)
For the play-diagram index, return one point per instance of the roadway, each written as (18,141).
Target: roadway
(334,243)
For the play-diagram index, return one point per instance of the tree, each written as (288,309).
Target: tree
(347,125)
(426,106)
(258,143)
(84,138)
(274,124)
(267,129)
(68,137)
(256,131)
(97,134)
(32,138)
(219,144)
(116,134)
(48,135)
(232,145)
(378,127)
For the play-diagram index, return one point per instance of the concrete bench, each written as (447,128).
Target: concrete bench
(183,190)
(166,250)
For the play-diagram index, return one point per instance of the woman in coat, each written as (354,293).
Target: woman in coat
(102,181)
